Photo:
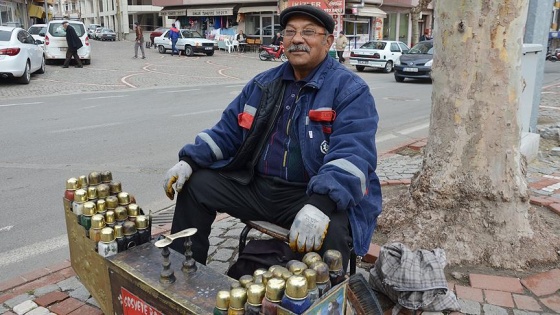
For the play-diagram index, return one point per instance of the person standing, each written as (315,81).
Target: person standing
(340,46)
(426,35)
(74,43)
(139,42)
(174,36)
(177,23)
(295,148)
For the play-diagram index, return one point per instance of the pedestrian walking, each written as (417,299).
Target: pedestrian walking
(426,35)
(74,43)
(139,42)
(174,36)
(340,46)
(295,148)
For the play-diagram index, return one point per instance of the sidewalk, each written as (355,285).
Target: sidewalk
(57,290)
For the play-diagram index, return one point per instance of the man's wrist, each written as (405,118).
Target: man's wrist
(323,203)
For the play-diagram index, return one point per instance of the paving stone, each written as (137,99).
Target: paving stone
(88,310)
(46,289)
(216,231)
(493,310)
(544,283)
(468,293)
(80,293)
(18,299)
(552,302)
(499,298)
(66,307)
(69,284)
(51,298)
(230,243)
(39,311)
(469,307)
(3,309)
(24,307)
(219,266)
(93,301)
(497,283)
(214,241)
(234,233)
(223,255)
(520,312)
(525,302)
(212,249)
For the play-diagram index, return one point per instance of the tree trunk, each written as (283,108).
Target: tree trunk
(470,196)
(415,17)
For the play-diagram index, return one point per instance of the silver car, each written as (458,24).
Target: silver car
(20,55)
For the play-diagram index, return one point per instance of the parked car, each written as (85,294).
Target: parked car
(55,41)
(107,34)
(378,54)
(157,32)
(190,42)
(416,63)
(38,32)
(20,54)
(91,30)
(97,32)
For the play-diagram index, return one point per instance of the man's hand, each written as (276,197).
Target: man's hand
(179,174)
(308,229)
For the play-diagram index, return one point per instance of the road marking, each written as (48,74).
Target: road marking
(550,107)
(385,138)
(39,248)
(86,127)
(6,228)
(414,129)
(197,113)
(101,97)
(407,131)
(21,104)
(180,91)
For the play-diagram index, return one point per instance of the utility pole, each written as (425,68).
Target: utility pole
(119,17)
(46,7)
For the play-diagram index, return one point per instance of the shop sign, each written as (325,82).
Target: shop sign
(210,12)
(133,305)
(173,12)
(331,7)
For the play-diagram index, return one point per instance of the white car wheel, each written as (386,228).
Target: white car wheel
(42,69)
(26,77)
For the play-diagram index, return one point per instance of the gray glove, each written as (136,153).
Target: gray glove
(178,174)
(308,229)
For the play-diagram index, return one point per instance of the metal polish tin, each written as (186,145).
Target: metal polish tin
(310,258)
(222,300)
(112,202)
(106,177)
(123,198)
(94,178)
(115,187)
(296,287)
(255,294)
(83,182)
(237,298)
(102,191)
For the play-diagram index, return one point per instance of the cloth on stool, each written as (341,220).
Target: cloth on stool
(413,279)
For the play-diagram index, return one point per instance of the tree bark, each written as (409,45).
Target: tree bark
(470,196)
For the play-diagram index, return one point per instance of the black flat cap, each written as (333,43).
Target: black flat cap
(322,17)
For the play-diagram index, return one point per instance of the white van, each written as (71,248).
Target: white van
(55,41)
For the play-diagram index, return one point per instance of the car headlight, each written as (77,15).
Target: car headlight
(429,63)
(398,61)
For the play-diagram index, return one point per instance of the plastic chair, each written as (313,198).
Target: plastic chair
(228,44)
(235,44)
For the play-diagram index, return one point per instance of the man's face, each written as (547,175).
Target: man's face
(306,52)
(65,25)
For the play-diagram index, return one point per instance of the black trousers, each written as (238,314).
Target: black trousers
(72,52)
(264,199)
(339,53)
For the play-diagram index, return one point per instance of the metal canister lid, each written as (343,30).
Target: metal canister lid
(115,187)
(80,196)
(310,258)
(133,210)
(255,294)
(297,267)
(275,289)
(245,280)
(102,191)
(129,228)
(118,231)
(322,270)
(278,271)
(112,202)
(222,300)
(106,177)
(235,284)
(124,198)
(271,268)
(266,276)
(94,178)
(72,183)
(82,182)
(333,259)
(259,271)
(97,221)
(286,274)
(296,287)
(101,205)
(110,216)
(107,235)
(141,222)
(121,213)
(237,298)
(311,276)
(89,208)
(92,192)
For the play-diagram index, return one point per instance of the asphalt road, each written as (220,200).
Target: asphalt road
(130,116)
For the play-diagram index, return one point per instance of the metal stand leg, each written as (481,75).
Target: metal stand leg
(243,238)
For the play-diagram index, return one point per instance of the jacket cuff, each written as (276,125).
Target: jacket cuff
(191,162)
(323,203)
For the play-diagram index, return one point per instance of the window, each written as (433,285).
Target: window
(395,47)
(5,36)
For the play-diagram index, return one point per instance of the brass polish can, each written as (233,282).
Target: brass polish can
(102,191)
(112,202)
(142,228)
(124,198)
(333,259)
(121,214)
(133,211)
(275,289)
(322,270)
(110,218)
(83,182)
(106,177)
(245,280)
(115,187)
(237,298)
(311,276)
(258,279)
(72,183)
(297,267)
(97,221)
(92,192)
(279,271)
(311,257)
(266,276)
(296,287)
(290,263)
(271,268)
(101,206)
(286,275)
(80,196)
(255,294)
(107,235)
(129,228)
(89,208)
(222,300)
(235,284)
(94,178)
(259,271)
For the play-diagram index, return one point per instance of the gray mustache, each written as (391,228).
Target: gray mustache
(298,48)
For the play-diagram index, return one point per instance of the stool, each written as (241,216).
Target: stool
(279,233)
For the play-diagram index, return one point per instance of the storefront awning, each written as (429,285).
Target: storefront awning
(371,11)
(173,12)
(35,11)
(211,11)
(270,8)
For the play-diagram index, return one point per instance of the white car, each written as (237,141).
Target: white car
(190,42)
(378,54)
(56,45)
(20,55)
(38,32)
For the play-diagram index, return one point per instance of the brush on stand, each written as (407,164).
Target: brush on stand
(362,297)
